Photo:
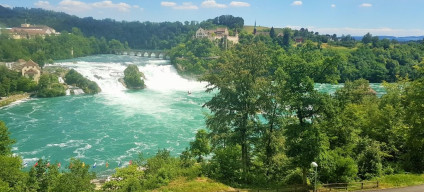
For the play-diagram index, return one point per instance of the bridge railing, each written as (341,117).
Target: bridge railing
(157,53)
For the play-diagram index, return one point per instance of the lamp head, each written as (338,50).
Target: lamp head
(314,165)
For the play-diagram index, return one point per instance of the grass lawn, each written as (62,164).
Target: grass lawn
(400,180)
(200,184)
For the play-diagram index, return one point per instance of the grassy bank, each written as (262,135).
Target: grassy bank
(400,180)
(200,184)
(12,98)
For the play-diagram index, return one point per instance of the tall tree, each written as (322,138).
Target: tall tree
(272,33)
(200,146)
(238,77)
(304,141)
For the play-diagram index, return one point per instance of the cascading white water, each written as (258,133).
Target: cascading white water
(160,76)
(163,84)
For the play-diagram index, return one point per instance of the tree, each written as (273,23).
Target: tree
(5,141)
(238,77)
(414,113)
(272,33)
(367,38)
(77,179)
(200,145)
(304,141)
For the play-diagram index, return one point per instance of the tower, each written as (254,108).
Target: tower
(254,29)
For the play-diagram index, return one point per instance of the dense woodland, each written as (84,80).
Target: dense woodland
(139,35)
(267,122)
(52,48)
(375,60)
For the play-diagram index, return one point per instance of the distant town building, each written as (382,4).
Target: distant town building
(28,69)
(218,33)
(298,39)
(27,31)
(31,70)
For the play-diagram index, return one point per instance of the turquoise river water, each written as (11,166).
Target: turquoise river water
(117,124)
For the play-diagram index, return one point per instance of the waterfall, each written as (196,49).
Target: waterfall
(160,76)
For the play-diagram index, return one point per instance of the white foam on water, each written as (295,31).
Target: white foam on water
(70,143)
(164,78)
(80,151)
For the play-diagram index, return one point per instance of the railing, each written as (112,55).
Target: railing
(292,188)
(348,186)
(323,188)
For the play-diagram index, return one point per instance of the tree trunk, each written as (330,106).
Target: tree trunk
(304,174)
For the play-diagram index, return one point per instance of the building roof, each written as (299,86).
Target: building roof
(31,63)
(33,30)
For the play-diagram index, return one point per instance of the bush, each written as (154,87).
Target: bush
(226,165)
(49,86)
(337,169)
(369,162)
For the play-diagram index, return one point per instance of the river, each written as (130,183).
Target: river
(117,124)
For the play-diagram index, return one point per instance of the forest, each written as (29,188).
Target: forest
(139,35)
(372,59)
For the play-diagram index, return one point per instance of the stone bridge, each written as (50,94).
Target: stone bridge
(163,54)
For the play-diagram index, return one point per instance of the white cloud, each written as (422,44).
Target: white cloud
(168,4)
(365,5)
(239,4)
(43,4)
(123,7)
(5,5)
(186,6)
(333,5)
(297,3)
(212,4)
(74,6)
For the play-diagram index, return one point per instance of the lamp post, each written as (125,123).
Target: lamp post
(315,165)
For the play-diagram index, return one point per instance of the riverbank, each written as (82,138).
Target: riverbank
(4,101)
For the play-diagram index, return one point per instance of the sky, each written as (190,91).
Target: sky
(354,17)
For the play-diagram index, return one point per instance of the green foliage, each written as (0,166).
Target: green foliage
(5,141)
(414,111)
(226,165)
(194,56)
(230,21)
(370,161)
(49,86)
(77,179)
(200,146)
(239,77)
(401,180)
(132,77)
(75,78)
(337,169)
(12,82)
(152,173)
(11,174)
(131,179)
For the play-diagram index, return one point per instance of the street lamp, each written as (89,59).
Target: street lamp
(315,165)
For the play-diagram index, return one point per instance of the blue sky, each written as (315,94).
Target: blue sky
(355,17)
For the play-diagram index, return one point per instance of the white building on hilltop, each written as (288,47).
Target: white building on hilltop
(218,33)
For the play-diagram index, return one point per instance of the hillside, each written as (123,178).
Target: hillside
(140,35)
